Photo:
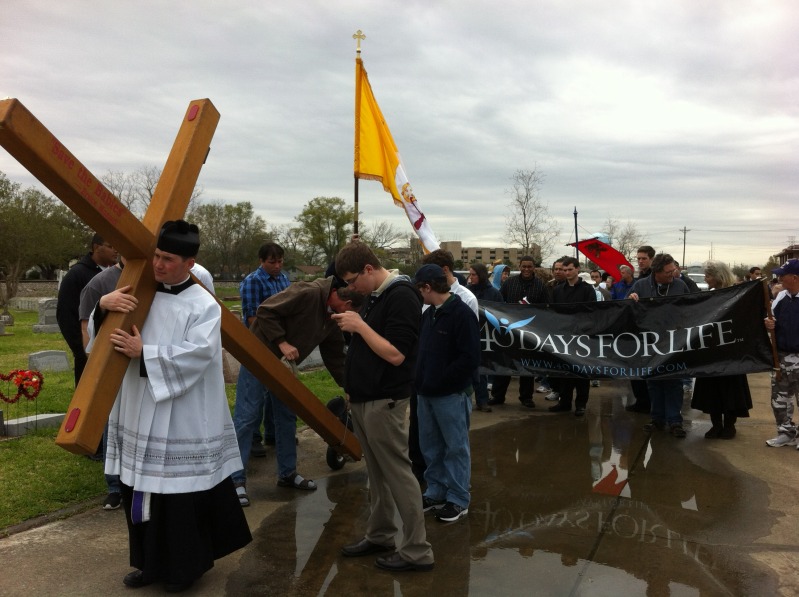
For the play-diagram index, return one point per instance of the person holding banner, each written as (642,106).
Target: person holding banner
(785,325)
(665,394)
(642,402)
(573,290)
(726,397)
(525,288)
(621,289)
(483,290)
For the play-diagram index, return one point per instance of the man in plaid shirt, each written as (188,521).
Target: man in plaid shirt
(253,400)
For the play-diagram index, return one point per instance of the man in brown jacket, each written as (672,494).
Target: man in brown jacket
(291,324)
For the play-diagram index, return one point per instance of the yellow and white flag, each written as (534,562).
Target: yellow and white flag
(377,158)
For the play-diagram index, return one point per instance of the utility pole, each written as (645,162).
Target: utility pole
(685,232)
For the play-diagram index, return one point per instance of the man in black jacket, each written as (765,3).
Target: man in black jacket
(642,402)
(573,290)
(101,256)
(379,377)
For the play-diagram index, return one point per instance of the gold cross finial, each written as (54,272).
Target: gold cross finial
(359,35)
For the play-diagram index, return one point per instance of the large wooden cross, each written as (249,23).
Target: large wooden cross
(25,138)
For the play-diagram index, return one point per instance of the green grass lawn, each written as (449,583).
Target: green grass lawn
(36,476)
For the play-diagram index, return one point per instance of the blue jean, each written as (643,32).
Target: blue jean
(481,391)
(251,395)
(444,439)
(665,396)
(269,426)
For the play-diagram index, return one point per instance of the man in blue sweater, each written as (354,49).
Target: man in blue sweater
(449,352)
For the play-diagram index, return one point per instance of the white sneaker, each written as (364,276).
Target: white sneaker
(543,389)
(781,440)
(552,397)
(594,383)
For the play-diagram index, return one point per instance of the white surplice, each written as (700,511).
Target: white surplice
(171,430)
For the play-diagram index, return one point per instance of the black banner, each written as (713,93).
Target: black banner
(703,334)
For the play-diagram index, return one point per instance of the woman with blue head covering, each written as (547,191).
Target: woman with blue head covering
(498,278)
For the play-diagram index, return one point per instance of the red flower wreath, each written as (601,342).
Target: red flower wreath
(29,384)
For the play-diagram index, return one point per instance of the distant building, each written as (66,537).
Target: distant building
(412,253)
(304,272)
(482,254)
(791,252)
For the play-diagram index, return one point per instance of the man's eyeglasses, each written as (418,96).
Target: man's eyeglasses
(351,281)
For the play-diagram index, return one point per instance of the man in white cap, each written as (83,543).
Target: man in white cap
(785,325)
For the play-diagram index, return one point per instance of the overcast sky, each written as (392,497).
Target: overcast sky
(670,114)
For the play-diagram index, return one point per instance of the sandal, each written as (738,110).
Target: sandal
(297,482)
(241,493)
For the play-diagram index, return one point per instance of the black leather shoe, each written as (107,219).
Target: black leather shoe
(364,547)
(135,580)
(495,401)
(527,403)
(636,408)
(174,587)
(395,563)
(560,408)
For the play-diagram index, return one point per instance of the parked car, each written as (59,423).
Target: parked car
(699,279)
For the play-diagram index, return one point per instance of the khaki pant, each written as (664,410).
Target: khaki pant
(380,427)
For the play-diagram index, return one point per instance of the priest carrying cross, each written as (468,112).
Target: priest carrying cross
(170,435)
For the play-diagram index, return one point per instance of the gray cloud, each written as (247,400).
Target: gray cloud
(670,115)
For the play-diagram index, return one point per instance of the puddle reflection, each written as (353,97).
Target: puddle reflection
(561,506)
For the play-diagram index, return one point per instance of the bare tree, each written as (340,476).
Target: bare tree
(381,235)
(136,189)
(529,224)
(121,185)
(290,238)
(624,238)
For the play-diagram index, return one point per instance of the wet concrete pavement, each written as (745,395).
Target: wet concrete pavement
(560,506)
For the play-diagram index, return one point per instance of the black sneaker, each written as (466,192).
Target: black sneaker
(429,504)
(654,425)
(113,501)
(451,512)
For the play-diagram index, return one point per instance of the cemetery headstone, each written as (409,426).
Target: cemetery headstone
(47,318)
(48,360)
(230,367)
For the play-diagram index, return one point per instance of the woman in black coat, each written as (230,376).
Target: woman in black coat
(727,397)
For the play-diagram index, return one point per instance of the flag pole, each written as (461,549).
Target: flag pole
(357,36)
(576,240)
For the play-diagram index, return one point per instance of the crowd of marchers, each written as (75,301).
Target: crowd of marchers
(405,350)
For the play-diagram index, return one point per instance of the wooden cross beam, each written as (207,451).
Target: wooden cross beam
(25,138)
